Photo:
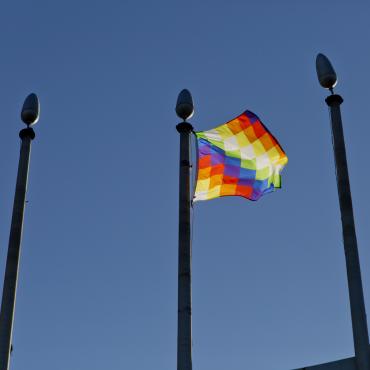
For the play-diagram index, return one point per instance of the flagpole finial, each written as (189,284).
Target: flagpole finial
(30,110)
(184,105)
(325,72)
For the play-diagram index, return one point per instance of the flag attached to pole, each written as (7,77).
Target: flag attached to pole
(240,157)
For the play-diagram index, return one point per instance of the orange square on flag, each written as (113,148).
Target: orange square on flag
(266,141)
(227,189)
(249,132)
(215,180)
(204,173)
(234,126)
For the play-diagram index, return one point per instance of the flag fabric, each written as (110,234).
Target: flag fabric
(240,157)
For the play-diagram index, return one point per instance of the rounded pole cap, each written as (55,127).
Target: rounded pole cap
(30,110)
(184,105)
(325,72)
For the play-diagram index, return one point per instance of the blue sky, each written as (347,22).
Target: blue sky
(98,273)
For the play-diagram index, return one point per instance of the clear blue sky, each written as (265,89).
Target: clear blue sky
(98,274)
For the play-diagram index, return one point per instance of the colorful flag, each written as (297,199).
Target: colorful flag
(240,157)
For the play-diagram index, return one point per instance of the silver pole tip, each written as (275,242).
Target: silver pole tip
(30,110)
(325,72)
(184,105)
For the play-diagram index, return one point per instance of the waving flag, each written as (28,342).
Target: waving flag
(240,157)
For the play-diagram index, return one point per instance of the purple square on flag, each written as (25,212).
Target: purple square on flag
(231,171)
(252,117)
(204,149)
(256,194)
(246,182)
(217,158)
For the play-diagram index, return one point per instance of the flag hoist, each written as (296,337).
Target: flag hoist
(184,109)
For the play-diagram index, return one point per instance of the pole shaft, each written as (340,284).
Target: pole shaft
(184,330)
(356,296)
(12,261)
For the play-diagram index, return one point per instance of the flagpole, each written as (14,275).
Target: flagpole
(184,110)
(30,114)
(327,79)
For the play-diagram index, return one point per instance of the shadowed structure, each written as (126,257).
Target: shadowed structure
(328,79)
(30,114)
(184,109)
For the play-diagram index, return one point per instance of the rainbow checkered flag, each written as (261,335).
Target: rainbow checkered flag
(240,157)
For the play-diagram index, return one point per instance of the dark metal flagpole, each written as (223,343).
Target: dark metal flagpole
(30,113)
(327,79)
(184,109)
